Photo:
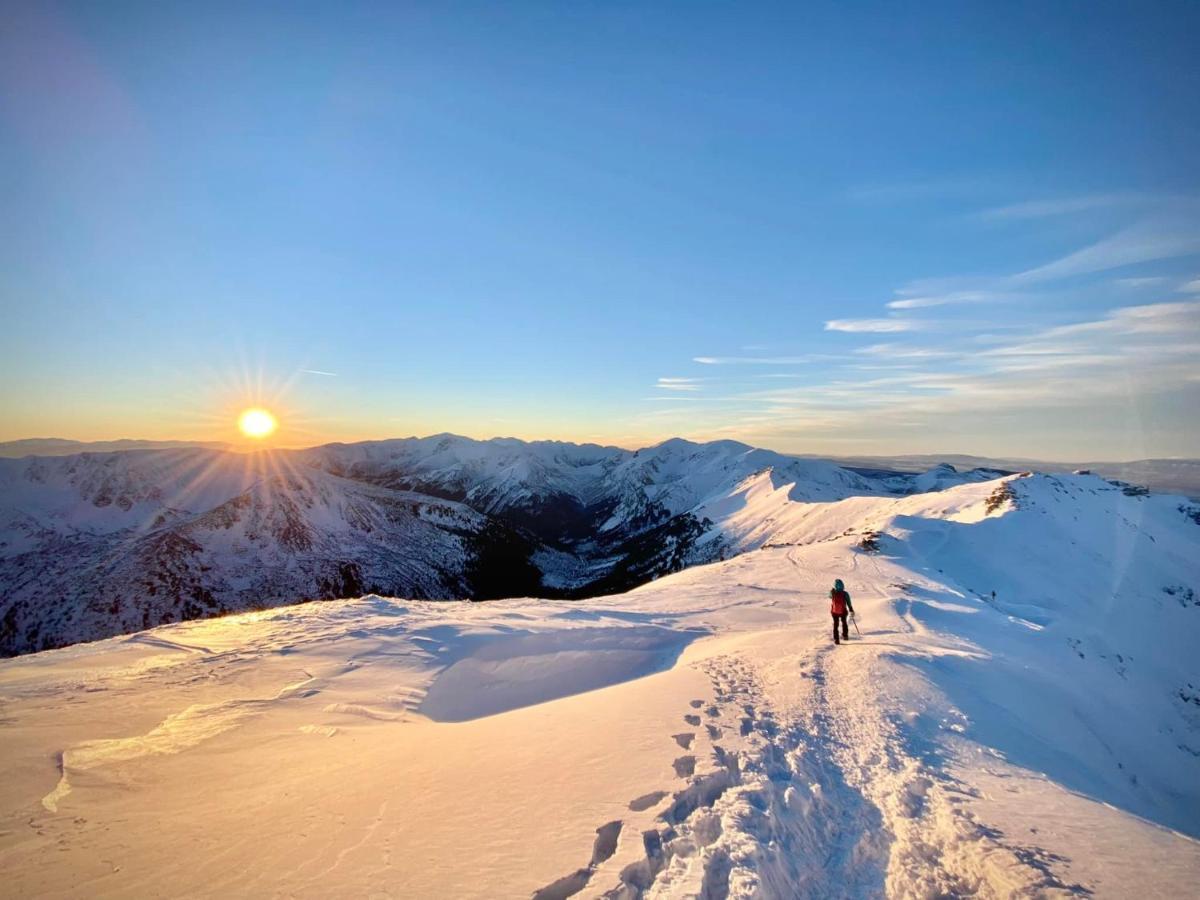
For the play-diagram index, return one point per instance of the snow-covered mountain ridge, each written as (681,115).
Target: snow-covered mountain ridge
(1020,716)
(98,544)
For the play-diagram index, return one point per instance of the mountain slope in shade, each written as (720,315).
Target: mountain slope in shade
(548,487)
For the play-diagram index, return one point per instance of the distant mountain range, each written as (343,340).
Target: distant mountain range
(64,447)
(100,543)
(1168,476)
(1174,476)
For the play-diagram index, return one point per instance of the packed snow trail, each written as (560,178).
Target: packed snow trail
(698,737)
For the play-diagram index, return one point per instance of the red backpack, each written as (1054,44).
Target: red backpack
(838,600)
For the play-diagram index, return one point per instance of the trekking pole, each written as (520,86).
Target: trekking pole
(855,621)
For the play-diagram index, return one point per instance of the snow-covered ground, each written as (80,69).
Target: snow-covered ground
(700,736)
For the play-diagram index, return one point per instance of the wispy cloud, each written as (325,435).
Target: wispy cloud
(1176,318)
(904,351)
(876,326)
(1061,206)
(1148,281)
(1144,243)
(919,302)
(319,372)
(938,364)
(752,360)
(926,301)
(679,384)
(1090,366)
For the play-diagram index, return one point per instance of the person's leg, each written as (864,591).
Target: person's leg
(845,627)
(836,640)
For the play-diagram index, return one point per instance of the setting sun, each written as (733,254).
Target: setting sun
(257,423)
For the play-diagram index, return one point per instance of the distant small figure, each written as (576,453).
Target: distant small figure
(993,596)
(839,606)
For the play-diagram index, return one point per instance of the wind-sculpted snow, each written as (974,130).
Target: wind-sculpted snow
(699,736)
(527,668)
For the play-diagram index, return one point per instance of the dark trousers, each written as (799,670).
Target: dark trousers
(845,630)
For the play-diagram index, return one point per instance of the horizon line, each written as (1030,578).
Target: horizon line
(246,448)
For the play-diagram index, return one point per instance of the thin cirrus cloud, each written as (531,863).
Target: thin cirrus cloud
(1025,365)
(1120,357)
(1176,320)
(1123,357)
(872,326)
(903,351)
(1062,206)
(1139,244)
(1147,281)
(925,301)
(679,384)
(751,360)
(920,302)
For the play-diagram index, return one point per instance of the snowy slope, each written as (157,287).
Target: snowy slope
(97,545)
(590,491)
(677,476)
(1167,476)
(497,475)
(101,543)
(697,737)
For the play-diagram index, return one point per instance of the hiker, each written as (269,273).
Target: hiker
(839,606)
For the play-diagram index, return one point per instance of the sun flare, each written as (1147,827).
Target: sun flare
(257,423)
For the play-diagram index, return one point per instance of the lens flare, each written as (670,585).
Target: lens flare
(257,423)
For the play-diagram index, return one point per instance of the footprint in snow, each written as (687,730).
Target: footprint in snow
(685,766)
(646,801)
(603,848)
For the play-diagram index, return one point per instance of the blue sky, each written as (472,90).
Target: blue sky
(842,228)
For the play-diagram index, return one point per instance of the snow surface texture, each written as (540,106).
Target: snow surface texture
(98,544)
(700,736)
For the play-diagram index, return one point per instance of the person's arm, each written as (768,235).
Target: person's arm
(849,605)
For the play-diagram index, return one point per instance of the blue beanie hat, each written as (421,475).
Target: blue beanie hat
(837,585)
